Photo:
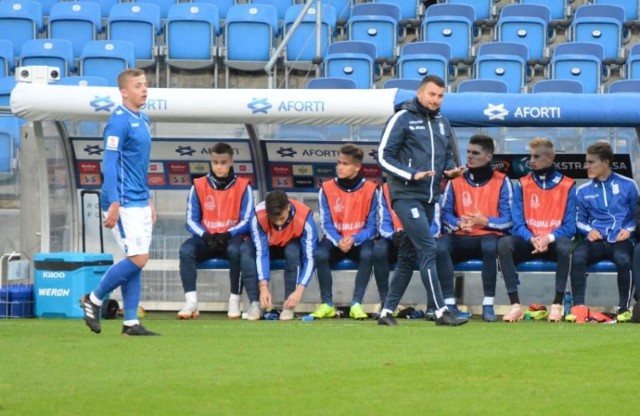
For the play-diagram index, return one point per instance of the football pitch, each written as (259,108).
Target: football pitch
(214,366)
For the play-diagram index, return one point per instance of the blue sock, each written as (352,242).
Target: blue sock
(116,276)
(131,296)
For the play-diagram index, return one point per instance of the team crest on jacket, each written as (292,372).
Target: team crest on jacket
(338,206)
(535,202)
(441,128)
(467,201)
(210,203)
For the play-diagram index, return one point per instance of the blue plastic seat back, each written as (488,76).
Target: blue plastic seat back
(84,81)
(632,70)
(12,124)
(418,59)
(630,7)
(343,10)
(600,24)
(302,45)
(7,151)
(222,5)
(107,58)
(376,23)
(558,85)
(105,6)
(140,22)
(452,24)
(624,85)
(408,8)
(331,83)
(78,22)
(482,8)
(192,30)
(250,32)
(581,61)
(483,85)
(6,86)
(353,60)
(163,5)
(558,8)
(20,21)
(402,83)
(503,61)
(281,5)
(6,57)
(49,52)
(527,24)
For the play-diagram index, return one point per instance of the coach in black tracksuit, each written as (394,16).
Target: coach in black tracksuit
(416,151)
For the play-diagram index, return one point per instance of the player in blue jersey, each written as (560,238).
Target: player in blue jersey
(126,202)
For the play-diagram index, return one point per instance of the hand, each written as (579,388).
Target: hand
(623,235)
(540,244)
(294,298)
(455,172)
(423,175)
(153,212)
(594,235)
(210,240)
(113,214)
(222,238)
(397,238)
(265,297)
(476,219)
(345,244)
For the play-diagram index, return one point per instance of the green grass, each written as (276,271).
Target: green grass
(214,366)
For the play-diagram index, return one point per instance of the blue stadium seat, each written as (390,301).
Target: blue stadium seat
(331,83)
(343,10)
(580,61)
(191,38)
(527,24)
(376,23)
(560,10)
(419,59)
(402,83)
(84,81)
(630,9)
(408,11)
(78,22)
(281,5)
(20,21)
(452,24)
(503,61)
(222,5)
(558,85)
(484,10)
(8,154)
(624,85)
(105,8)
(6,86)
(139,23)
(632,67)
(163,5)
(352,59)
(6,57)
(106,59)
(251,32)
(49,52)
(603,24)
(483,85)
(300,51)
(46,7)
(12,124)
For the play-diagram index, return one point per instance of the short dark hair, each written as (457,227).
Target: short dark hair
(356,152)
(484,141)
(601,150)
(221,149)
(432,78)
(275,203)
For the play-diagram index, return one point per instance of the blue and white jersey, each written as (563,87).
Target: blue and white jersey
(607,206)
(127,148)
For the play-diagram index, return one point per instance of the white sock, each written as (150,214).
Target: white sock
(440,311)
(191,298)
(233,297)
(450,301)
(488,300)
(131,322)
(386,312)
(95,300)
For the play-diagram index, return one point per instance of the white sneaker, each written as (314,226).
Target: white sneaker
(234,307)
(188,312)
(255,312)
(287,315)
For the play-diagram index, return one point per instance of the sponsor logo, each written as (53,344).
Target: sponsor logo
(259,105)
(496,112)
(89,167)
(156,179)
(178,167)
(102,103)
(155,105)
(370,171)
(112,142)
(209,203)
(501,166)
(467,201)
(535,202)
(185,150)
(286,152)
(281,170)
(54,275)
(303,182)
(54,292)
(338,206)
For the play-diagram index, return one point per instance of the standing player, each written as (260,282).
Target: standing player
(218,211)
(126,201)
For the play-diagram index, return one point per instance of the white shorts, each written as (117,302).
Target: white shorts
(133,230)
